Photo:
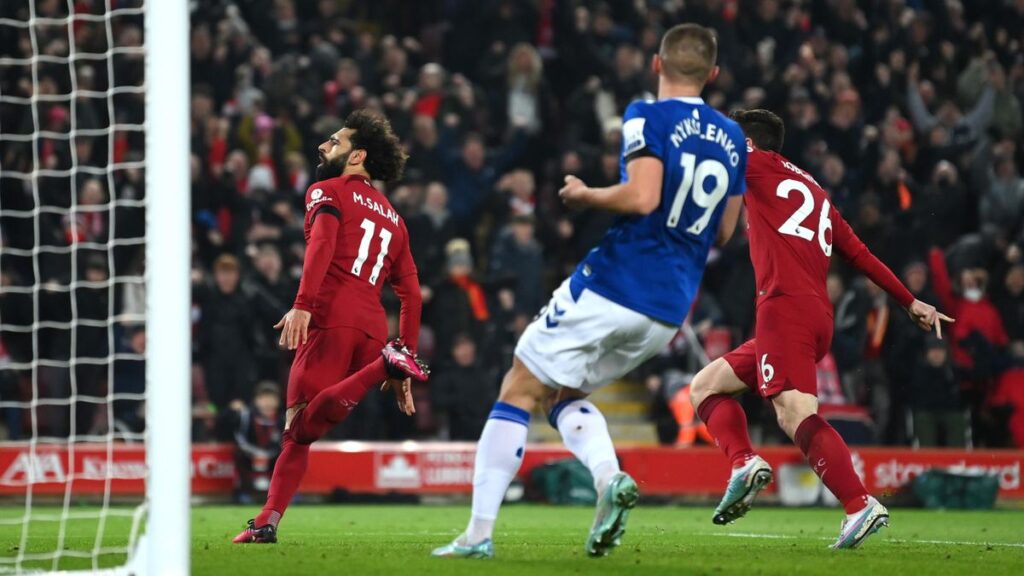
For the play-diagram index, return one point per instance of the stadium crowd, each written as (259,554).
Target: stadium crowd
(907,111)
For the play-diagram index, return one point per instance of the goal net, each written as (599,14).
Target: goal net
(94,244)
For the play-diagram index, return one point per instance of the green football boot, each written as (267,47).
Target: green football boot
(744,484)
(613,508)
(481,550)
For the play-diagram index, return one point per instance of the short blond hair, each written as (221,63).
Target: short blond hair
(688,52)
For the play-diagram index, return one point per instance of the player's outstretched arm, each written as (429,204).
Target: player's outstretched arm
(639,194)
(854,250)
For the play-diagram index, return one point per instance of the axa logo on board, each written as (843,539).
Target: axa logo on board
(50,467)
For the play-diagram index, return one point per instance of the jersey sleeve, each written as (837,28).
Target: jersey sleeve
(739,186)
(641,132)
(405,282)
(854,250)
(316,261)
(323,198)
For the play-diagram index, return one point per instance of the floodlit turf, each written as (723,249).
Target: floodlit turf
(540,540)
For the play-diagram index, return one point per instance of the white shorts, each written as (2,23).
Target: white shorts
(588,341)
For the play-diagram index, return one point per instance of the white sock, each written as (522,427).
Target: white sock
(498,456)
(585,433)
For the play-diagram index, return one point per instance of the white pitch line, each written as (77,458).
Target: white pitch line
(898,541)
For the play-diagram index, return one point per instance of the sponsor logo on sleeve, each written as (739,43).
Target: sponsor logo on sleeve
(316,197)
(633,134)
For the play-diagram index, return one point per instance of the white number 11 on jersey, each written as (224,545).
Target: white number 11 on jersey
(364,250)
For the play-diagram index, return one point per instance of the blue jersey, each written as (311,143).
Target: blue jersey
(653,264)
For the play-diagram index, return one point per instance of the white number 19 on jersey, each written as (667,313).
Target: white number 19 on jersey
(694,178)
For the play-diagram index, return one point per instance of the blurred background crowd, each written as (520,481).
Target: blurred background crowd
(907,111)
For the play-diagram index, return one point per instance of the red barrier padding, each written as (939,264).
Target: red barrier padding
(447,468)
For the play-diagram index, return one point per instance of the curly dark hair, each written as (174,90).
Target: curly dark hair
(764,128)
(385,159)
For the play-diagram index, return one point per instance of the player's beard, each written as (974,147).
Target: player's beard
(331,168)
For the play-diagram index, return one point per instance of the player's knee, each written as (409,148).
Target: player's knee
(705,382)
(792,408)
(700,386)
(521,389)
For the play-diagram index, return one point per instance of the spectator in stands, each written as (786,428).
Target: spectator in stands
(979,329)
(938,415)
(1007,401)
(903,341)
(430,228)
(10,391)
(850,311)
(517,256)
(226,335)
(1011,302)
(459,304)
(92,304)
(271,293)
(130,378)
(471,178)
(256,432)
(1002,190)
(462,391)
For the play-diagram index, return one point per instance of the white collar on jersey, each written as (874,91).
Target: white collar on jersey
(690,99)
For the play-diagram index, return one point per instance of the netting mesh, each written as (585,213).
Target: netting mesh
(72,233)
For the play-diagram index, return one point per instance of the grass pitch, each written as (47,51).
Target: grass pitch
(539,540)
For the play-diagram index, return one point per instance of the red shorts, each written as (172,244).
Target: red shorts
(791,336)
(329,356)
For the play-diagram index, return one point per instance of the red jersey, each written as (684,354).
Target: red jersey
(356,241)
(793,228)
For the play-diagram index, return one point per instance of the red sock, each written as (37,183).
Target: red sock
(830,458)
(727,422)
(288,473)
(335,403)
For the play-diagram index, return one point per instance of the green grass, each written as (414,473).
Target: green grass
(539,540)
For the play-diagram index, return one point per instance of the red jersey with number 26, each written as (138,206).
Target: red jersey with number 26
(793,229)
(371,246)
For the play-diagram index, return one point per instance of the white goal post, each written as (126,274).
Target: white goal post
(168,294)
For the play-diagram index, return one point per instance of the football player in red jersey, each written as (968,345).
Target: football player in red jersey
(793,229)
(355,242)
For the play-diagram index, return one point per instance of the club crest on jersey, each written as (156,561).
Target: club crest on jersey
(316,197)
(372,204)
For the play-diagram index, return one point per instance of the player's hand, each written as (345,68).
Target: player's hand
(573,194)
(927,317)
(294,329)
(403,394)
